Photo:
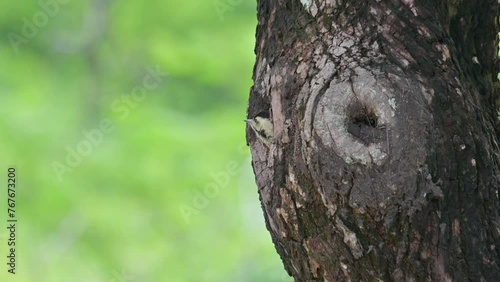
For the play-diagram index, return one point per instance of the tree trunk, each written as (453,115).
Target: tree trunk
(385,161)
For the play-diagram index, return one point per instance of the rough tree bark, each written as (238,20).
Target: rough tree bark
(385,163)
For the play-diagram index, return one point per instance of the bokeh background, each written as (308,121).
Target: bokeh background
(124,121)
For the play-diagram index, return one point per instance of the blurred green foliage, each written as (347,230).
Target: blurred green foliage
(149,199)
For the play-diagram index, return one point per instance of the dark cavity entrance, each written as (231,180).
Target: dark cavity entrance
(362,123)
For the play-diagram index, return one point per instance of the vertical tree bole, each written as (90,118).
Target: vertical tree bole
(385,160)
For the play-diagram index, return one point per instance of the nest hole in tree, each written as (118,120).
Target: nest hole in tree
(362,123)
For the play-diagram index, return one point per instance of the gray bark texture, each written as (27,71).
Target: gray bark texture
(385,160)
